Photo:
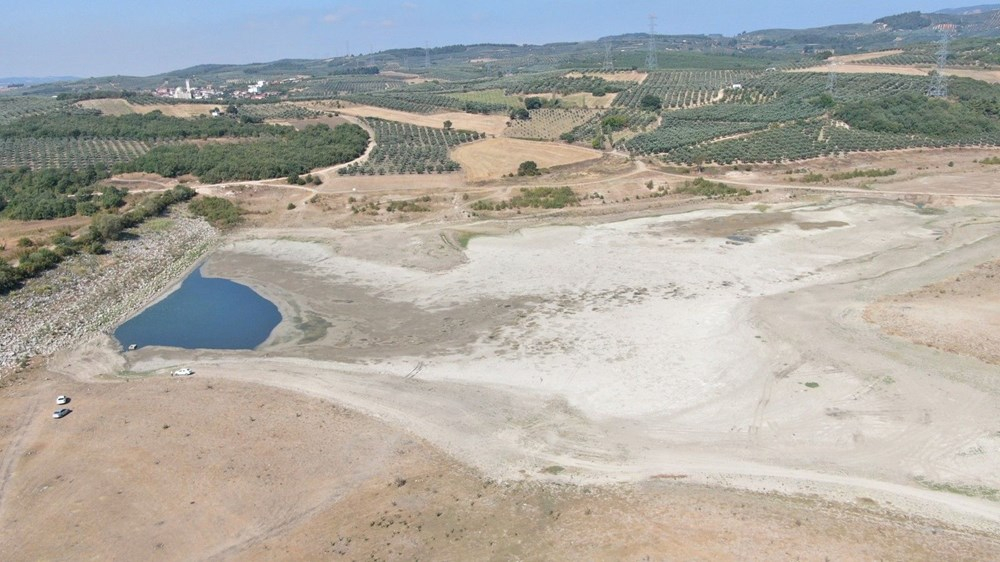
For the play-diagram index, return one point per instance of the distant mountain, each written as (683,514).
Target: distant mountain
(970,10)
(35,80)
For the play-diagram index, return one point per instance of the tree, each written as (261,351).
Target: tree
(520,113)
(9,278)
(112,197)
(533,103)
(447,125)
(107,226)
(528,168)
(650,102)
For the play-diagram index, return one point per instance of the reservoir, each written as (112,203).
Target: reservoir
(204,313)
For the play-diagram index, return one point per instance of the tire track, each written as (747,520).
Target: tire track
(8,459)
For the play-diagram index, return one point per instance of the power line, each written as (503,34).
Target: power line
(939,82)
(609,62)
(651,62)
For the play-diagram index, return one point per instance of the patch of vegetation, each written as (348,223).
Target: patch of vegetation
(545,197)
(972,491)
(554,469)
(220,212)
(711,189)
(992,161)
(54,193)
(411,205)
(535,197)
(917,114)
(295,152)
(812,385)
(528,168)
(149,126)
(103,227)
(463,238)
(813,177)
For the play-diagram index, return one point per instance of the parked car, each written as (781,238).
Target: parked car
(62,400)
(60,413)
(182,372)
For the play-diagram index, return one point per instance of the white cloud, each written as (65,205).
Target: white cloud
(409,6)
(340,15)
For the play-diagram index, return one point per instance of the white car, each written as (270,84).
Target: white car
(182,372)
(62,400)
(60,413)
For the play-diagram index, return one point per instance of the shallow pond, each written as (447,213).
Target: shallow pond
(203,313)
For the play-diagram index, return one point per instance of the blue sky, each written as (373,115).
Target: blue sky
(143,37)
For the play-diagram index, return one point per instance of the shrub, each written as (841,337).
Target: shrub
(218,211)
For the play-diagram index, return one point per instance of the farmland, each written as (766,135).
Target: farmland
(494,97)
(493,158)
(549,123)
(403,148)
(12,109)
(67,152)
(682,88)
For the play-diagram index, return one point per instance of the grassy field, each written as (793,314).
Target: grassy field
(496,96)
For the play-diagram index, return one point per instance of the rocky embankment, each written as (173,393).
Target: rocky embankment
(88,294)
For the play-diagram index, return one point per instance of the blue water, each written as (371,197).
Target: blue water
(204,313)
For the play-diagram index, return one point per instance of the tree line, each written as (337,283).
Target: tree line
(150,126)
(295,152)
(103,227)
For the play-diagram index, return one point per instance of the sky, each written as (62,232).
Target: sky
(145,37)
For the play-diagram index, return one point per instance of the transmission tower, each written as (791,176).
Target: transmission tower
(939,82)
(609,62)
(831,79)
(427,55)
(651,62)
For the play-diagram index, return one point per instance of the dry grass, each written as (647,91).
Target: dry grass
(494,158)
(623,76)
(38,231)
(490,124)
(582,99)
(124,107)
(843,59)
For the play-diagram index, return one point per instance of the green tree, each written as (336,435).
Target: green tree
(447,125)
(528,168)
(106,226)
(520,113)
(650,102)
(533,103)
(9,278)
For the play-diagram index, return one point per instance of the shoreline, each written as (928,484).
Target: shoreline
(87,295)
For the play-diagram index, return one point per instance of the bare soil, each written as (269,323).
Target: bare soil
(195,468)
(959,315)
(493,158)
(637,377)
